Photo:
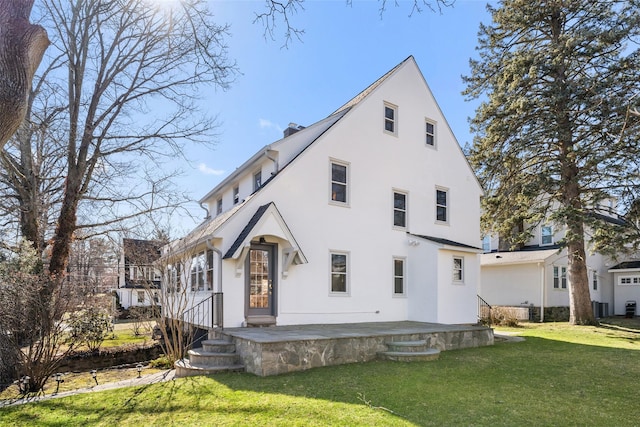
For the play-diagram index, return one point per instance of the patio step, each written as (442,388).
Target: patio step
(184,368)
(200,357)
(409,351)
(218,346)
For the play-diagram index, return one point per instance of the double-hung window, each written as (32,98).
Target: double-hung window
(442,205)
(399,209)
(546,235)
(219,206)
(595,280)
(257,180)
(390,118)
(398,276)
(339,182)
(430,133)
(236,195)
(339,272)
(197,272)
(209,270)
(458,269)
(140,297)
(559,277)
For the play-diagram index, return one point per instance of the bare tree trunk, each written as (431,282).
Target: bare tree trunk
(67,221)
(22,46)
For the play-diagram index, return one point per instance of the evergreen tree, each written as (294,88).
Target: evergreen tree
(555,132)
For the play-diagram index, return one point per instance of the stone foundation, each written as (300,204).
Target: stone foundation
(304,347)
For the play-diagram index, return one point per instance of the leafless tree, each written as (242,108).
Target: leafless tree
(118,99)
(22,46)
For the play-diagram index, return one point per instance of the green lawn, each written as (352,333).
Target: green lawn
(560,375)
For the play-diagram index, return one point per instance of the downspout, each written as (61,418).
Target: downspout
(206,210)
(542,286)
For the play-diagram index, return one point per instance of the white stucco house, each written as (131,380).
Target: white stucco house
(370,214)
(536,275)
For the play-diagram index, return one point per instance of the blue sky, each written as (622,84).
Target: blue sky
(344,49)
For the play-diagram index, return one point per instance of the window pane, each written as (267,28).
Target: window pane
(339,192)
(389,113)
(388,126)
(430,128)
(441,198)
(398,267)
(399,218)
(338,173)
(430,140)
(338,263)
(398,287)
(338,283)
(441,213)
(399,200)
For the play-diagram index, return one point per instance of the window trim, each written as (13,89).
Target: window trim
(629,280)
(257,183)
(446,205)
(428,122)
(403,277)
(347,193)
(197,272)
(219,206)
(458,271)
(347,291)
(594,281)
(236,194)
(543,235)
(405,226)
(560,281)
(393,121)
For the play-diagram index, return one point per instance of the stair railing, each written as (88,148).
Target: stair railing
(484,311)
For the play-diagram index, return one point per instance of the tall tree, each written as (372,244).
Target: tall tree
(118,98)
(22,46)
(555,136)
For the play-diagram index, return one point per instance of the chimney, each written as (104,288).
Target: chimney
(293,128)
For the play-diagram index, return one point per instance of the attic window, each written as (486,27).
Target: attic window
(236,195)
(257,180)
(390,118)
(430,133)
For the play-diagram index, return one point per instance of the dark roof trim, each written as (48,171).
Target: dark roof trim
(247,230)
(611,220)
(627,265)
(448,242)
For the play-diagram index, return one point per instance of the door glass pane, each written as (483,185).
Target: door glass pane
(259,279)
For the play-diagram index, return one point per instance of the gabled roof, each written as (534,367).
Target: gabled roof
(446,243)
(141,252)
(255,227)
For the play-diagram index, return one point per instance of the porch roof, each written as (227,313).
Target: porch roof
(626,266)
(516,257)
(448,244)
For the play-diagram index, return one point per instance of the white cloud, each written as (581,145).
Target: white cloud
(209,171)
(268,124)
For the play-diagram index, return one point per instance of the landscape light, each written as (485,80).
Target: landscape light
(94,374)
(139,368)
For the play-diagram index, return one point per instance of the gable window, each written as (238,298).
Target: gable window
(399,209)
(442,206)
(339,273)
(140,297)
(219,206)
(559,277)
(398,276)
(257,180)
(236,195)
(197,272)
(486,244)
(430,133)
(390,118)
(339,176)
(458,269)
(546,234)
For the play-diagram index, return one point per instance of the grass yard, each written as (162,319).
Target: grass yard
(561,375)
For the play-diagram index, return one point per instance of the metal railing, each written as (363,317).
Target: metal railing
(484,311)
(207,313)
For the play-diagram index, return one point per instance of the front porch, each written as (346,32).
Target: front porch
(280,349)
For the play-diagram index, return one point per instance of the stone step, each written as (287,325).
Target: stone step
(200,357)
(407,346)
(218,346)
(184,368)
(415,356)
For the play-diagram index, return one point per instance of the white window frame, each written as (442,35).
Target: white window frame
(427,134)
(209,262)
(458,272)
(197,272)
(446,206)
(219,206)
(345,184)
(236,194)
(594,282)
(257,180)
(404,210)
(559,277)
(393,121)
(543,235)
(395,277)
(346,274)
(629,280)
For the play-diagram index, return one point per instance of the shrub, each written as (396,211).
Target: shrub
(162,362)
(90,326)
(504,316)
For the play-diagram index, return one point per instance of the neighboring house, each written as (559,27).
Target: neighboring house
(138,279)
(626,286)
(536,275)
(370,214)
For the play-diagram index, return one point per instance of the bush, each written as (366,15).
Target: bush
(504,316)
(90,326)
(162,362)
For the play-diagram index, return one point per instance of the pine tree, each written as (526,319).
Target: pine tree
(556,136)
